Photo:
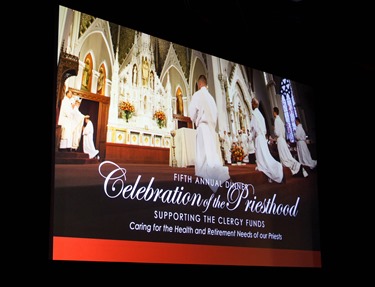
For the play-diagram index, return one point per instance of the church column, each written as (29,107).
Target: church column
(275,99)
(225,94)
(231,117)
(114,93)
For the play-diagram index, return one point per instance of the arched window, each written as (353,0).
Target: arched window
(179,102)
(289,109)
(101,80)
(135,75)
(87,74)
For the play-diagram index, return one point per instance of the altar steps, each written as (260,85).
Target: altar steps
(74,158)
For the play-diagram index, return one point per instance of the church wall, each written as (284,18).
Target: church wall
(227,81)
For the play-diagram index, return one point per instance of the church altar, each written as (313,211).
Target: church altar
(185,142)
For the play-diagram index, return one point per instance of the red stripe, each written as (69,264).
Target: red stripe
(84,249)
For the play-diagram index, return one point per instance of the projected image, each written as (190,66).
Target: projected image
(167,154)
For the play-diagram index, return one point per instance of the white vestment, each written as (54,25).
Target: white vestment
(227,147)
(65,121)
(234,139)
(250,145)
(303,151)
(208,162)
(77,124)
(88,140)
(285,155)
(243,138)
(264,160)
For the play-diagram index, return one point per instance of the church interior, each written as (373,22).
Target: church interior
(117,68)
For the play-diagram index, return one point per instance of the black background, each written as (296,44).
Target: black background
(329,48)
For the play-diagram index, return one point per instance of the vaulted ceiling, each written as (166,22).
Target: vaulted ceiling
(299,38)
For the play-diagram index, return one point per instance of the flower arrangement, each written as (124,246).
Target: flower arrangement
(160,118)
(237,153)
(127,108)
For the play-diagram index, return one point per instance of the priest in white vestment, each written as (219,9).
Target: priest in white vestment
(203,113)
(244,142)
(77,125)
(65,120)
(285,155)
(265,162)
(88,139)
(227,146)
(251,148)
(303,151)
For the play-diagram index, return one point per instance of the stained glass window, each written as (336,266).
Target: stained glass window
(289,109)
